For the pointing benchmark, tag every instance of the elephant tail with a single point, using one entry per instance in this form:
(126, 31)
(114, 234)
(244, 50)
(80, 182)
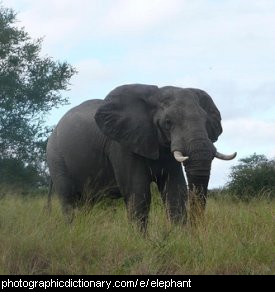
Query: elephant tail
(49, 202)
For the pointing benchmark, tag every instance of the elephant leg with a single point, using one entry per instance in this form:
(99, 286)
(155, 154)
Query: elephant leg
(61, 180)
(64, 187)
(133, 179)
(138, 206)
(67, 194)
(172, 187)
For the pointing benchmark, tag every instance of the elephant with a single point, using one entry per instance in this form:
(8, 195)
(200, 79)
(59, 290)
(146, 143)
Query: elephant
(137, 135)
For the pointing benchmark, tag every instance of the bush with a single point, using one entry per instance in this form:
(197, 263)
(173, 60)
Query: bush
(254, 176)
(14, 172)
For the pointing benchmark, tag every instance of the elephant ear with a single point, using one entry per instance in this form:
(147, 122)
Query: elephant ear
(213, 124)
(126, 118)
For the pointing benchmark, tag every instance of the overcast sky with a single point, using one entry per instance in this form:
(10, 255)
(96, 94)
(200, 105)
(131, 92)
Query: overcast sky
(225, 47)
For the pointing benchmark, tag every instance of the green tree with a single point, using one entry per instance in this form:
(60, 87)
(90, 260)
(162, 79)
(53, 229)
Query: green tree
(15, 172)
(30, 86)
(253, 176)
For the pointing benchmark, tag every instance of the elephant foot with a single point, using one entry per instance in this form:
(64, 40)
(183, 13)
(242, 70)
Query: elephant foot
(138, 210)
(179, 219)
(197, 205)
(69, 213)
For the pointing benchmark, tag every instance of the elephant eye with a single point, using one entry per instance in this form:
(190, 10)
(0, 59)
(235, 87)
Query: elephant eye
(167, 124)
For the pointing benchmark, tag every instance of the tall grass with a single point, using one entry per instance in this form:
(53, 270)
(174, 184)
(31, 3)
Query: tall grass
(234, 238)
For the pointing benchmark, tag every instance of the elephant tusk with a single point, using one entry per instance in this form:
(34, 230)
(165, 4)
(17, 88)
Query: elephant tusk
(179, 157)
(225, 157)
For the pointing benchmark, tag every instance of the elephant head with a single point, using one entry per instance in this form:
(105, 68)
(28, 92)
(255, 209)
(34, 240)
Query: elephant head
(145, 118)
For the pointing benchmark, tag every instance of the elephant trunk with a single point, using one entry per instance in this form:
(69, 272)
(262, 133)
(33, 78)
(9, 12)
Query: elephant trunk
(198, 185)
(197, 163)
(198, 174)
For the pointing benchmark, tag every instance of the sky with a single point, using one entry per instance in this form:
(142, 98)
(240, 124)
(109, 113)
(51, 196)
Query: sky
(225, 47)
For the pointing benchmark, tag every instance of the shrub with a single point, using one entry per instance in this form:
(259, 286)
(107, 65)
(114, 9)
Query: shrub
(253, 176)
(14, 172)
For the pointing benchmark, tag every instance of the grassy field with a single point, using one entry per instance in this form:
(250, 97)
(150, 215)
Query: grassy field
(234, 238)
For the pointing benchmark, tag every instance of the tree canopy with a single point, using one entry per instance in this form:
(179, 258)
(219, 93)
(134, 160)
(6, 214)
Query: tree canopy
(253, 176)
(30, 86)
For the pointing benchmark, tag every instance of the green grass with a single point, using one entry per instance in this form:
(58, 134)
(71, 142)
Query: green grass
(234, 238)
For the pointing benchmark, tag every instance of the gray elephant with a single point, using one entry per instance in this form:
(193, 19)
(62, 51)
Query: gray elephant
(137, 135)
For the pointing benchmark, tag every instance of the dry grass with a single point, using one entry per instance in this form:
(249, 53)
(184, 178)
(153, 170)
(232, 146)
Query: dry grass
(233, 238)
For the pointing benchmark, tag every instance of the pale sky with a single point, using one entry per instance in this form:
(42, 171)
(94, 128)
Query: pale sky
(225, 47)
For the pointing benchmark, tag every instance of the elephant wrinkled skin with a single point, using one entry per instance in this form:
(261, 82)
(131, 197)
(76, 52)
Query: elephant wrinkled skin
(137, 135)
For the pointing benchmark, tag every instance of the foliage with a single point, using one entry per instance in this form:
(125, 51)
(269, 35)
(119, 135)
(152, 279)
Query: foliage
(30, 87)
(254, 175)
(234, 238)
(14, 172)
